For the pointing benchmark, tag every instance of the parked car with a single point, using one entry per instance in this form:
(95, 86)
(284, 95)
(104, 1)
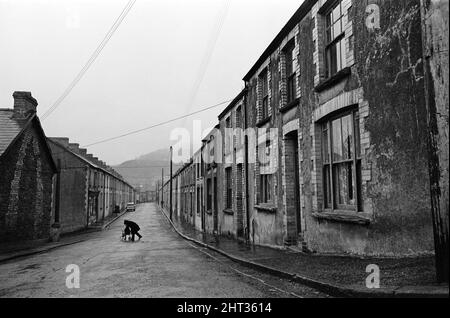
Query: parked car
(131, 207)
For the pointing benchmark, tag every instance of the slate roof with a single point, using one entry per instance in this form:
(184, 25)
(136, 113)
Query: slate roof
(305, 7)
(10, 127)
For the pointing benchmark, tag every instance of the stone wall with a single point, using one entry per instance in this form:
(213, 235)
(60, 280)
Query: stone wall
(26, 182)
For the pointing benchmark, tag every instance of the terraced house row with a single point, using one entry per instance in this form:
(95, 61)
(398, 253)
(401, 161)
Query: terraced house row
(325, 149)
(49, 186)
(88, 190)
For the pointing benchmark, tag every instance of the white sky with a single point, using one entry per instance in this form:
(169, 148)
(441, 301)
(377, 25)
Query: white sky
(147, 72)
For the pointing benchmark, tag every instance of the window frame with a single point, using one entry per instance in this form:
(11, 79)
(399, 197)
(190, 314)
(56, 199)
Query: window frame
(229, 188)
(333, 41)
(228, 135)
(239, 127)
(238, 116)
(266, 181)
(329, 178)
(209, 194)
(264, 82)
(291, 92)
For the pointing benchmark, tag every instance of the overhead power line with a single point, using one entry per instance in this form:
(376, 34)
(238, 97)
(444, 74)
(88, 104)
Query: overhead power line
(157, 125)
(211, 45)
(91, 60)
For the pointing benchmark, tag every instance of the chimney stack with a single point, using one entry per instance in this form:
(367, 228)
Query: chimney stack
(83, 151)
(102, 164)
(24, 103)
(61, 140)
(74, 147)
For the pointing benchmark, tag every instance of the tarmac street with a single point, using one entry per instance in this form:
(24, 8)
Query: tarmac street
(162, 264)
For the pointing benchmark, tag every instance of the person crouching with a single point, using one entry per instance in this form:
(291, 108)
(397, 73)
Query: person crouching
(133, 228)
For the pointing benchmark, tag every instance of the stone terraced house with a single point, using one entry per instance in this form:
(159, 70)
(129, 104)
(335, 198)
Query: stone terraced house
(334, 156)
(27, 172)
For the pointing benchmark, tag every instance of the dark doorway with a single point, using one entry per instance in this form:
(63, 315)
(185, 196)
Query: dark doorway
(292, 190)
(239, 202)
(202, 208)
(215, 212)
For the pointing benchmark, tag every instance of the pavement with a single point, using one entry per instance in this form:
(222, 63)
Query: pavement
(341, 276)
(13, 250)
(160, 265)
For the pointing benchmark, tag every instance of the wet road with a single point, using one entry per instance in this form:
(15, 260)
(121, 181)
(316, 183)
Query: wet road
(160, 265)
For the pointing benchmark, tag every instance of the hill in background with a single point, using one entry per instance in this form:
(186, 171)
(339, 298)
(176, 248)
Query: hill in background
(145, 170)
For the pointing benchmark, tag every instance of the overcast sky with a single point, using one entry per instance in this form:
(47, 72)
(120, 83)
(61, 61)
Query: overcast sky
(167, 58)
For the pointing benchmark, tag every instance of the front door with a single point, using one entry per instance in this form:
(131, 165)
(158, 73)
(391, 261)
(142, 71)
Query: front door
(292, 192)
(239, 202)
(215, 209)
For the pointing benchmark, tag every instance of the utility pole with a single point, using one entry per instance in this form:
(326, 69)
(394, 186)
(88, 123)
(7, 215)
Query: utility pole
(439, 209)
(170, 194)
(246, 167)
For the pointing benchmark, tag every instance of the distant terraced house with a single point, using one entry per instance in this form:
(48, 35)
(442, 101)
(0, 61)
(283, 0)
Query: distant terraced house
(87, 189)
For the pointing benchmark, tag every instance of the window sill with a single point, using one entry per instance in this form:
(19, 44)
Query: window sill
(266, 207)
(291, 105)
(344, 217)
(228, 211)
(263, 122)
(345, 72)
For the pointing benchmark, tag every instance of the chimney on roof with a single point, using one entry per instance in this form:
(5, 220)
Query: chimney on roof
(83, 151)
(74, 147)
(91, 158)
(61, 140)
(24, 103)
